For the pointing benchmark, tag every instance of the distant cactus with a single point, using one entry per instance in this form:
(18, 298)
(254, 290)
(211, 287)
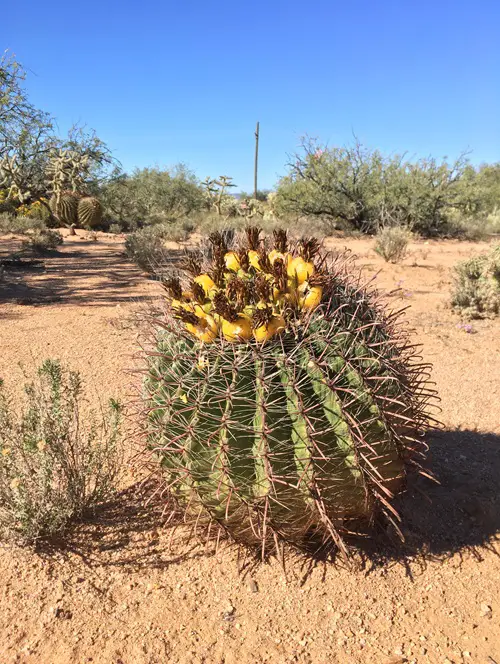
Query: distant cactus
(67, 170)
(89, 212)
(65, 207)
(476, 286)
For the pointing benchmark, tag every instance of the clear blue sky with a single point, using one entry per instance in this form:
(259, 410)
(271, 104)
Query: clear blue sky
(164, 81)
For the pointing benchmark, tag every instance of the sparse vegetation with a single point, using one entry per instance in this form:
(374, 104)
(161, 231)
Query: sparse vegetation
(146, 247)
(43, 240)
(55, 466)
(476, 287)
(392, 243)
(11, 223)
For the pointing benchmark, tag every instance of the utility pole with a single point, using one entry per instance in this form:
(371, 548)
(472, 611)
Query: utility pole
(256, 161)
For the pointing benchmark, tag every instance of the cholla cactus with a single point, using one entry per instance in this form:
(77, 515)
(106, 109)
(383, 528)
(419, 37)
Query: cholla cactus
(283, 400)
(217, 196)
(10, 177)
(251, 207)
(476, 288)
(67, 170)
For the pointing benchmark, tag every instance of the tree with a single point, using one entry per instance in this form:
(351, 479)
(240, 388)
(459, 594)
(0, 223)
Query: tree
(153, 194)
(355, 187)
(29, 144)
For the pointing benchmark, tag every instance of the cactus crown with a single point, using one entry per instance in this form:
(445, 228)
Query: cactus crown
(282, 398)
(263, 291)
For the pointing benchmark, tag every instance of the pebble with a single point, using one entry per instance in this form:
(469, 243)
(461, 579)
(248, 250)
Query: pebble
(486, 611)
(252, 586)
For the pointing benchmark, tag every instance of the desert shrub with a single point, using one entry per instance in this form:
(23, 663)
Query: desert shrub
(476, 286)
(352, 186)
(146, 247)
(43, 241)
(210, 222)
(133, 199)
(10, 223)
(116, 229)
(392, 242)
(34, 210)
(474, 227)
(53, 466)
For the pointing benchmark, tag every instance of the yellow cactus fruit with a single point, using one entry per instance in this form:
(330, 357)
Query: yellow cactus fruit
(300, 270)
(312, 298)
(274, 255)
(178, 304)
(205, 330)
(266, 331)
(253, 258)
(205, 282)
(232, 261)
(237, 330)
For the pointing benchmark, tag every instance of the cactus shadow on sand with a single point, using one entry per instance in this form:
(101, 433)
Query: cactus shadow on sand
(458, 516)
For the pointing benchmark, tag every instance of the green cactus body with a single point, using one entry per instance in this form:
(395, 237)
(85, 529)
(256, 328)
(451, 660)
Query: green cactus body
(65, 207)
(89, 212)
(312, 430)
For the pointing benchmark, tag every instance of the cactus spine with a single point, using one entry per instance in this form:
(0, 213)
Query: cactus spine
(282, 398)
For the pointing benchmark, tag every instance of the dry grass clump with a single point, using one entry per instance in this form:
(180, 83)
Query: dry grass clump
(392, 243)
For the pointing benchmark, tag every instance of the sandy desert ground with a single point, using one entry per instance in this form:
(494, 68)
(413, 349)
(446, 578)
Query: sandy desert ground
(115, 592)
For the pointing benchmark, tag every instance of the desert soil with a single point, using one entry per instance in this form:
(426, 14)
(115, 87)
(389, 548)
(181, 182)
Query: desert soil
(122, 590)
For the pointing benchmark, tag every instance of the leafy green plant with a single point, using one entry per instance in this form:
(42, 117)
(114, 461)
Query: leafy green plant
(134, 200)
(282, 400)
(352, 186)
(53, 466)
(392, 243)
(476, 286)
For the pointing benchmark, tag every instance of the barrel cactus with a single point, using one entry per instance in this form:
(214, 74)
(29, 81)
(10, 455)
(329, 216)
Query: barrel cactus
(282, 399)
(89, 212)
(64, 207)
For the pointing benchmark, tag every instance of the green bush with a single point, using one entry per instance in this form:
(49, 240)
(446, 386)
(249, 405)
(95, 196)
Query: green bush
(53, 466)
(476, 286)
(116, 229)
(146, 248)
(474, 227)
(354, 187)
(392, 242)
(43, 241)
(134, 199)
